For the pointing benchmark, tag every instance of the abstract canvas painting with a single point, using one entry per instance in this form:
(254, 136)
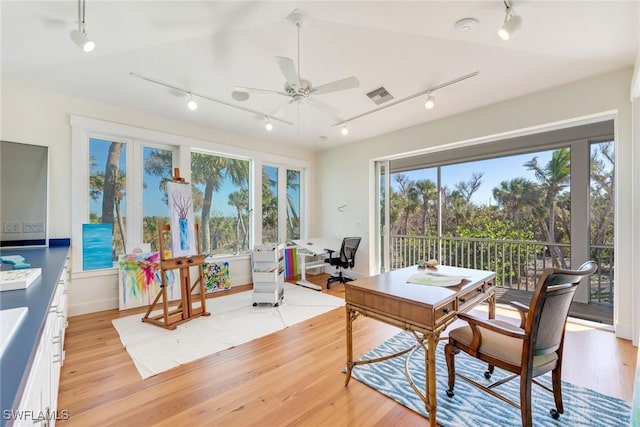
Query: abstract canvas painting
(139, 280)
(181, 219)
(216, 276)
(97, 246)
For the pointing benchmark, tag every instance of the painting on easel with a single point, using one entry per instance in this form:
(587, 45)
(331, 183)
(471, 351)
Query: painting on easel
(139, 279)
(181, 219)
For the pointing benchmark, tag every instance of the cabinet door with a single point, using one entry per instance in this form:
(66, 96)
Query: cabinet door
(36, 400)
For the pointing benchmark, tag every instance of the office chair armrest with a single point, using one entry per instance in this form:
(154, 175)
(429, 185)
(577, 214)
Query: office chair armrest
(476, 323)
(522, 309)
(330, 251)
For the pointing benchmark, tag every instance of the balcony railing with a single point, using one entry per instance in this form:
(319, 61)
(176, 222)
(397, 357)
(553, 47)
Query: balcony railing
(517, 264)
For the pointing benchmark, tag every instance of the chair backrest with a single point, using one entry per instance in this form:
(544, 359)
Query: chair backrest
(348, 250)
(550, 304)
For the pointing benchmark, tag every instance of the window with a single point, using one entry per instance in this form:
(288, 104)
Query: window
(281, 215)
(221, 202)
(157, 166)
(269, 204)
(119, 178)
(293, 204)
(107, 189)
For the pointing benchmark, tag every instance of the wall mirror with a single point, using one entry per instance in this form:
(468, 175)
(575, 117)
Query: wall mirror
(23, 194)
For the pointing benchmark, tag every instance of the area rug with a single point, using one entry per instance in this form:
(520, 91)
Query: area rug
(473, 407)
(233, 321)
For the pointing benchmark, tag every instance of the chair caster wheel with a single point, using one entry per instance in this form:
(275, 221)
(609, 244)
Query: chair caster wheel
(487, 375)
(450, 393)
(275, 305)
(255, 304)
(554, 414)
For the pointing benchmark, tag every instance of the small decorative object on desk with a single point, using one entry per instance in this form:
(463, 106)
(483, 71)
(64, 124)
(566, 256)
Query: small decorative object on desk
(432, 263)
(435, 279)
(18, 279)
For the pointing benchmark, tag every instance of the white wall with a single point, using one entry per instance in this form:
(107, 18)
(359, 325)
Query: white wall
(34, 116)
(603, 95)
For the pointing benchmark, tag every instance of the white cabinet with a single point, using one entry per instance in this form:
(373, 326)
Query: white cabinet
(39, 401)
(268, 273)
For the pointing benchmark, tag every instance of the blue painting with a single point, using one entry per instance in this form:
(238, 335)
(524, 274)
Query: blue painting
(97, 246)
(181, 219)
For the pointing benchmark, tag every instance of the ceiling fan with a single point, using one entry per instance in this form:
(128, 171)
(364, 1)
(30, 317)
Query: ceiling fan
(296, 88)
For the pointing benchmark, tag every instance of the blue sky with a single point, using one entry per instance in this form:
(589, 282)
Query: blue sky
(494, 171)
(153, 197)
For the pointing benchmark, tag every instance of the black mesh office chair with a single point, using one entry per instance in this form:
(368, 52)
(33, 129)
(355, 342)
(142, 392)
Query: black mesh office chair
(346, 259)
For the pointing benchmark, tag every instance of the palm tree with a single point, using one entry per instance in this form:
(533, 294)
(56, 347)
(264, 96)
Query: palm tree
(553, 178)
(293, 217)
(427, 194)
(209, 171)
(515, 196)
(240, 200)
(111, 184)
(269, 209)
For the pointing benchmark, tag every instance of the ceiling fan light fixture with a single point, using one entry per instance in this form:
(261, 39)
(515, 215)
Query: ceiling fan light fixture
(512, 22)
(192, 105)
(345, 130)
(430, 102)
(80, 36)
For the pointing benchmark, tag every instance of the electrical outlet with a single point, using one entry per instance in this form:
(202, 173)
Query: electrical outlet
(12, 227)
(33, 227)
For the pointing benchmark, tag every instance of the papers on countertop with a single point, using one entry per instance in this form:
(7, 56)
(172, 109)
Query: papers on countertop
(435, 279)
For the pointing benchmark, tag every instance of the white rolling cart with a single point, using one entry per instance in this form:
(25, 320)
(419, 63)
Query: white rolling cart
(268, 273)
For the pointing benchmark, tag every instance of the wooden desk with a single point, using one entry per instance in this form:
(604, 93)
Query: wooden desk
(425, 311)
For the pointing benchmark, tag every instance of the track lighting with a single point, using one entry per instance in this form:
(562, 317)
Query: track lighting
(511, 22)
(430, 103)
(192, 105)
(79, 36)
(268, 126)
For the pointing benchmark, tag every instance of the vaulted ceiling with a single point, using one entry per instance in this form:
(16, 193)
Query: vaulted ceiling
(210, 47)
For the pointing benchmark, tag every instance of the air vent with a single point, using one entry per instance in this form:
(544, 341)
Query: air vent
(380, 95)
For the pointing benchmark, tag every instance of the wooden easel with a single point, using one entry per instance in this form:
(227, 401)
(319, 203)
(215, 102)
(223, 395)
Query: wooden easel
(171, 317)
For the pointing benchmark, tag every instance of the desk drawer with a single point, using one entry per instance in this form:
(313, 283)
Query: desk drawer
(470, 298)
(444, 311)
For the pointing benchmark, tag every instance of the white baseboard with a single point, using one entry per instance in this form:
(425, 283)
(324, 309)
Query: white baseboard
(92, 306)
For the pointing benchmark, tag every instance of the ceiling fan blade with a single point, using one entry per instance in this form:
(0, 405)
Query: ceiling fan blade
(257, 90)
(288, 68)
(324, 107)
(346, 83)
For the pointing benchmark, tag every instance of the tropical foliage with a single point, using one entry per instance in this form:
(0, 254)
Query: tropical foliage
(524, 209)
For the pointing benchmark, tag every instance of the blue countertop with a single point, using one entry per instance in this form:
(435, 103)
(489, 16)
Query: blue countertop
(17, 358)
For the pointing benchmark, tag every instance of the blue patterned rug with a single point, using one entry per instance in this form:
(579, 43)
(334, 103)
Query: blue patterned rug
(473, 407)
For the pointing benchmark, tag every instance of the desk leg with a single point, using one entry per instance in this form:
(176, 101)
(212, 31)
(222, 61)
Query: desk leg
(430, 356)
(303, 275)
(350, 317)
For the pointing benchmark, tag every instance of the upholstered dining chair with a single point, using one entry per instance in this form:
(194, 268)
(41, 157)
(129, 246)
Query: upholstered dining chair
(527, 350)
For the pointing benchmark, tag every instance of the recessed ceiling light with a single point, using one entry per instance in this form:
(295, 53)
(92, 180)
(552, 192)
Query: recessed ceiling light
(466, 24)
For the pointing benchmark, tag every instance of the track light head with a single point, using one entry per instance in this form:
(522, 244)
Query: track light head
(191, 104)
(430, 103)
(512, 23)
(345, 130)
(81, 39)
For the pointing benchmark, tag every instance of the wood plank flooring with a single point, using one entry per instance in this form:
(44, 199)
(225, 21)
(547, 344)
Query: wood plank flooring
(290, 378)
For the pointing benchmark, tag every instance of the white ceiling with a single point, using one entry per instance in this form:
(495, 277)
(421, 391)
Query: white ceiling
(211, 46)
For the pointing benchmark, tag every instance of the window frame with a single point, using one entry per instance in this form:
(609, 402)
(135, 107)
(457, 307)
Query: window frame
(83, 128)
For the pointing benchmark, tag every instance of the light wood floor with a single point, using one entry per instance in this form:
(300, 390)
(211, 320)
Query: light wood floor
(290, 378)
